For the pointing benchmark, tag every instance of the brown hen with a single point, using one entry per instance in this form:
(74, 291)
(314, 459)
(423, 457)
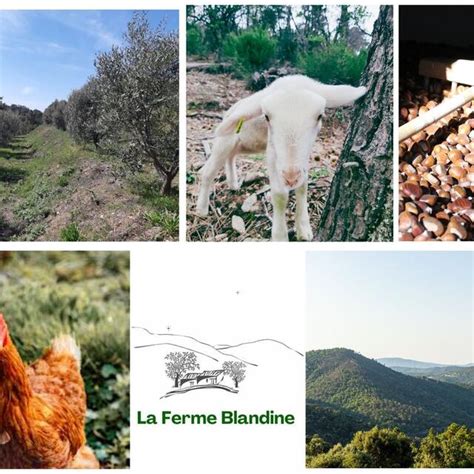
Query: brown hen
(42, 408)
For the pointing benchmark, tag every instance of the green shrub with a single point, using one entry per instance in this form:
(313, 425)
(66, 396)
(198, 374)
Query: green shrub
(70, 233)
(194, 41)
(251, 50)
(335, 64)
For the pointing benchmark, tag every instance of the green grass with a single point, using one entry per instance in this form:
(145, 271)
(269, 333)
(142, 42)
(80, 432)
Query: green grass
(163, 211)
(168, 221)
(39, 169)
(319, 173)
(85, 294)
(28, 166)
(70, 233)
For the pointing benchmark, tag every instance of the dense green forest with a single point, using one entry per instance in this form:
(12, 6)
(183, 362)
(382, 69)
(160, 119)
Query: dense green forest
(328, 43)
(348, 393)
(391, 448)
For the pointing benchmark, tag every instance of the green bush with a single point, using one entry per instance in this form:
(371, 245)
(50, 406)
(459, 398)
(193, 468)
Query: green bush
(194, 41)
(85, 294)
(250, 51)
(335, 64)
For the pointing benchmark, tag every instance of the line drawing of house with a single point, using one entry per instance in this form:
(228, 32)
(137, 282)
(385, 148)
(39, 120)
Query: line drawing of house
(208, 377)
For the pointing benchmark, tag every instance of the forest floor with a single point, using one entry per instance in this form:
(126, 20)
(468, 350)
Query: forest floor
(52, 189)
(208, 97)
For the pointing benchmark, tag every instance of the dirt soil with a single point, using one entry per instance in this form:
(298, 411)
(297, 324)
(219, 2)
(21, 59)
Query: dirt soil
(100, 202)
(208, 97)
(57, 184)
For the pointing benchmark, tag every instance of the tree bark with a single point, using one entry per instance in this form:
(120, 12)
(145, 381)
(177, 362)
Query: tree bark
(166, 188)
(359, 205)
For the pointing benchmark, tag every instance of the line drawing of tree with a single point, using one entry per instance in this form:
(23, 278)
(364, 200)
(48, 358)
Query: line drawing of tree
(235, 370)
(179, 363)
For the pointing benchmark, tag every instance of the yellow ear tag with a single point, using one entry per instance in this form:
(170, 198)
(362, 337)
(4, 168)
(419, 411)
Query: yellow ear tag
(239, 126)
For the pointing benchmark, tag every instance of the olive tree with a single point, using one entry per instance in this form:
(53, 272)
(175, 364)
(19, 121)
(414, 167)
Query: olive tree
(138, 87)
(9, 126)
(82, 113)
(55, 114)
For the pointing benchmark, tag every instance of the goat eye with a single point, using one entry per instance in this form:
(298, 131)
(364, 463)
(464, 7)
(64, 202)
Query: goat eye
(267, 118)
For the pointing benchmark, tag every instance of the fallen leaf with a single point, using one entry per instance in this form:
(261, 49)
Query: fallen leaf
(238, 224)
(249, 202)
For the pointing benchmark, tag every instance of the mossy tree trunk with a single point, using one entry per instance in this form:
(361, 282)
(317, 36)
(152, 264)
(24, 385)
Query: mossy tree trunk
(359, 205)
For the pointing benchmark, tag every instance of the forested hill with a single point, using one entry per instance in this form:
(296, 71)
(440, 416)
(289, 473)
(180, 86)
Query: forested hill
(347, 392)
(452, 374)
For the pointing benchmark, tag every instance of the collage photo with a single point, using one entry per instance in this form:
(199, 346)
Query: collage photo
(236, 237)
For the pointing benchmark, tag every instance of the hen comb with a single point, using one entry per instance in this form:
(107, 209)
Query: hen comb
(3, 331)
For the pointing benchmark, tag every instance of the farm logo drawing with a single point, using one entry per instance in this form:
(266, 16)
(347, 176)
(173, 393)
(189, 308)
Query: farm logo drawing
(198, 365)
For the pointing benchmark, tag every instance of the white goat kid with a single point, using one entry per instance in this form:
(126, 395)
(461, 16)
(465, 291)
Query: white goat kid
(284, 119)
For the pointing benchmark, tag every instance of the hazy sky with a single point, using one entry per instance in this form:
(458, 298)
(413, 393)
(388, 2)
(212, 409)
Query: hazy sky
(45, 54)
(416, 305)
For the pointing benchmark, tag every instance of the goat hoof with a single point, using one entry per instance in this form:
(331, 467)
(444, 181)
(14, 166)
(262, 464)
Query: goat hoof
(304, 233)
(234, 185)
(280, 237)
(202, 211)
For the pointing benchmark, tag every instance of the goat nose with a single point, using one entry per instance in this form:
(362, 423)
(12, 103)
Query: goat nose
(291, 176)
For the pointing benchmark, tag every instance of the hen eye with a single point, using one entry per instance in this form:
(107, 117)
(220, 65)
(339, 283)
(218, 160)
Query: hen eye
(267, 118)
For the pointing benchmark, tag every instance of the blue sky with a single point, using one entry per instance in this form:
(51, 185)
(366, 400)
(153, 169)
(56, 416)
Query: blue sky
(416, 305)
(45, 54)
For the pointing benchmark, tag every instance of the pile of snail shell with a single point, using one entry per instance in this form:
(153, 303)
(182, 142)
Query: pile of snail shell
(436, 171)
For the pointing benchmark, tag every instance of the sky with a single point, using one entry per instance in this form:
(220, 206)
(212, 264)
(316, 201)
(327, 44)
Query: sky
(45, 54)
(415, 305)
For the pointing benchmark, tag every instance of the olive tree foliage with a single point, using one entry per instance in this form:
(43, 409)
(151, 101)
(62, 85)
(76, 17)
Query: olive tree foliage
(9, 124)
(82, 114)
(16, 120)
(55, 114)
(138, 87)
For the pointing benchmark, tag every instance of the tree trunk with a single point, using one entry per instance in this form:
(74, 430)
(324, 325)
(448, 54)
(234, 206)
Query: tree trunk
(236, 383)
(166, 187)
(359, 205)
(167, 174)
(176, 380)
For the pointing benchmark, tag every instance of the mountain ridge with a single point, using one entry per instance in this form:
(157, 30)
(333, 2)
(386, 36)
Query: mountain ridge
(414, 364)
(340, 381)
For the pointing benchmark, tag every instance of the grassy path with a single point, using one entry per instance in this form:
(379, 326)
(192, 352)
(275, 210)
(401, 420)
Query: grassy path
(54, 189)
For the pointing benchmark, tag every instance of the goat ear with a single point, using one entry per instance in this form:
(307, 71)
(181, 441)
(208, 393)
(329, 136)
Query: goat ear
(338, 96)
(246, 109)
